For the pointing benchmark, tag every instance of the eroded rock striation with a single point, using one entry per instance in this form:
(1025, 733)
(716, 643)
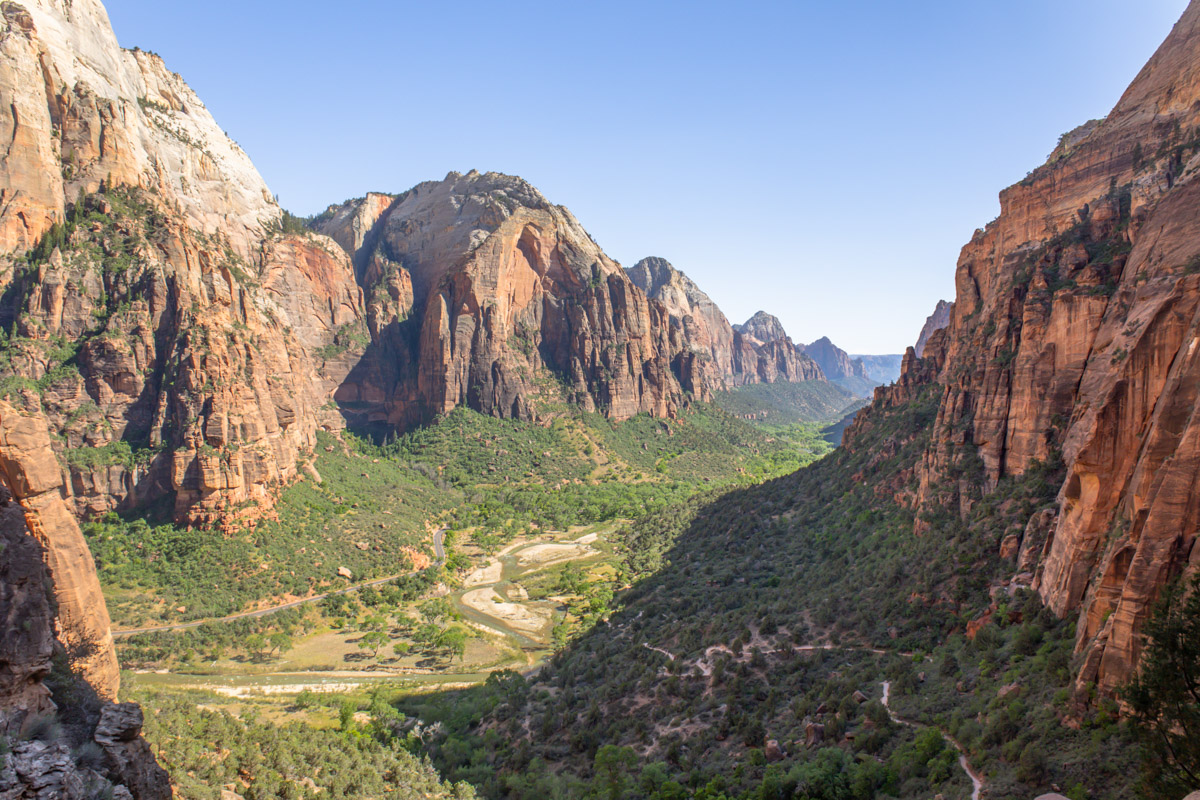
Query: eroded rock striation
(167, 366)
(176, 341)
(82, 111)
(1075, 335)
(736, 355)
(44, 752)
(31, 474)
(482, 293)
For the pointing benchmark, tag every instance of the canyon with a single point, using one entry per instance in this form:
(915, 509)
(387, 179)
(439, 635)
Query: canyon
(175, 340)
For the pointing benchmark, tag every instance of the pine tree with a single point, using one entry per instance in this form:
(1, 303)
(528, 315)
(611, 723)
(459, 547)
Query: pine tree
(1165, 696)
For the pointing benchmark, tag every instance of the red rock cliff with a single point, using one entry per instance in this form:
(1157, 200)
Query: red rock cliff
(175, 342)
(730, 356)
(1076, 330)
(31, 473)
(482, 293)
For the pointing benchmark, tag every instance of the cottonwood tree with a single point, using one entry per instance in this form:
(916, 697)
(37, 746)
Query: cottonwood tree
(373, 641)
(280, 642)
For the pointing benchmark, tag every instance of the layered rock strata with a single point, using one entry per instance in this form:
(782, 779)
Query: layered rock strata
(757, 352)
(1075, 334)
(482, 293)
(177, 343)
(168, 366)
(82, 111)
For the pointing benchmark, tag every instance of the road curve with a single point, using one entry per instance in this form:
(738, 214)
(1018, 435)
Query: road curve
(439, 551)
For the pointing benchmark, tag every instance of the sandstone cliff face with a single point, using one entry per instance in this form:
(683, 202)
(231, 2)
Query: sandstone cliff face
(33, 764)
(939, 319)
(174, 342)
(1076, 331)
(737, 357)
(31, 473)
(481, 292)
(167, 365)
(82, 111)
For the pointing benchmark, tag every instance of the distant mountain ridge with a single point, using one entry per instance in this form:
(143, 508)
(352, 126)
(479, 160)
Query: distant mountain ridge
(838, 366)
(939, 319)
(883, 369)
(763, 326)
(738, 357)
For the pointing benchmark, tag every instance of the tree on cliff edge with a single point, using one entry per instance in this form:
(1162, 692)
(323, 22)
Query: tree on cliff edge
(1165, 696)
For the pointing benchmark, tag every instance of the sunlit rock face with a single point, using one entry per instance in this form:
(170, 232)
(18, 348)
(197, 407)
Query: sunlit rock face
(83, 111)
(1076, 332)
(483, 293)
(736, 355)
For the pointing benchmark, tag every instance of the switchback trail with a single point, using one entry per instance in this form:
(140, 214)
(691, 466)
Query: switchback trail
(439, 552)
(976, 778)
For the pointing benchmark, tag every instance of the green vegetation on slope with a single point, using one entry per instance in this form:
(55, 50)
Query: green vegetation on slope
(1165, 695)
(495, 478)
(761, 612)
(205, 750)
(358, 517)
(782, 403)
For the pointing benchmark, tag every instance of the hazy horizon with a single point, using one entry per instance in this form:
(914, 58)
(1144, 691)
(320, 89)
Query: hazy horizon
(822, 164)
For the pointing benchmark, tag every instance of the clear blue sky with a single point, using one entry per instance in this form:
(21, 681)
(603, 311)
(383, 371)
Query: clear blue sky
(824, 161)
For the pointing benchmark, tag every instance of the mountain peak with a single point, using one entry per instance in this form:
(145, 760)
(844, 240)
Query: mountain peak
(87, 113)
(764, 327)
(661, 281)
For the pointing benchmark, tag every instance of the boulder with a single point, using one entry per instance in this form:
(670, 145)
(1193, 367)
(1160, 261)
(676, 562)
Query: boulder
(1010, 546)
(129, 756)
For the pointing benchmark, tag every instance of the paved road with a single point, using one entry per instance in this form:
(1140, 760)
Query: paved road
(439, 551)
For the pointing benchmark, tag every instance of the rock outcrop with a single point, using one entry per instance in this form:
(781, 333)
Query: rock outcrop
(483, 293)
(177, 343)
(30, 471)
(762, 327)
(42, 742)
(166, 365)
(939, 319)
(737, 356)
(81, 111)
(1075, 334)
